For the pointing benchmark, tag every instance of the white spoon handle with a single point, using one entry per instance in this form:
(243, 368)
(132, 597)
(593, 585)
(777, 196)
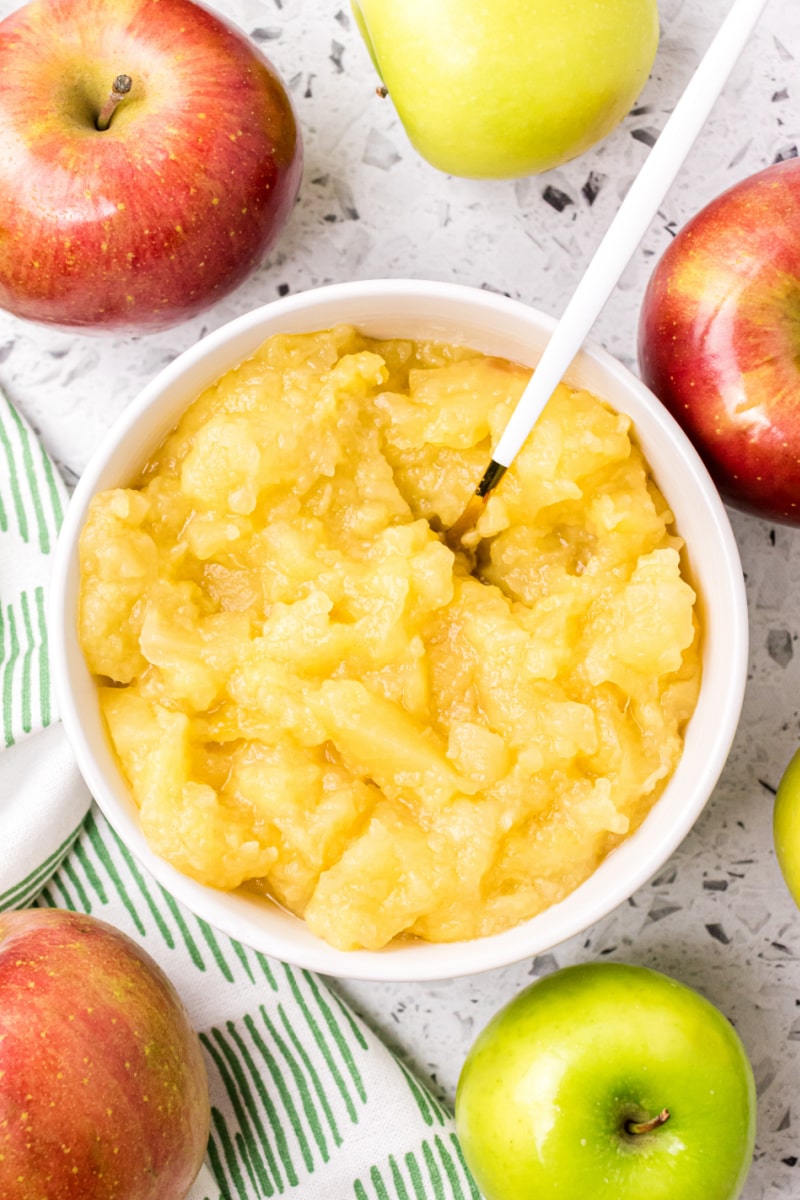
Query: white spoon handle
(631, 222)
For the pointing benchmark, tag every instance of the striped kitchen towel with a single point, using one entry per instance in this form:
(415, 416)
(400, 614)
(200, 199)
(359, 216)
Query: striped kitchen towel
(306, 1101)
(42, 797)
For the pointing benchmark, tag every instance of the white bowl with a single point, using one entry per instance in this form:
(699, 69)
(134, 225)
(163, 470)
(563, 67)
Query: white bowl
(495, 325)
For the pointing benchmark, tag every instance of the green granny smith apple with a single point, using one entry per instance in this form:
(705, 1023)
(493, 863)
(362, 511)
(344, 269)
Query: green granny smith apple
(786, 826)
(503, 88)
(608, 1082)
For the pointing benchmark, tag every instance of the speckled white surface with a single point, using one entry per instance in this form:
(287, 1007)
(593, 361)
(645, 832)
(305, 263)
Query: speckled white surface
(717, 916)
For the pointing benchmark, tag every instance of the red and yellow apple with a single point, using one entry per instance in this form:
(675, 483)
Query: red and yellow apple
(719, 339)
(148, 221)
(103, 1089)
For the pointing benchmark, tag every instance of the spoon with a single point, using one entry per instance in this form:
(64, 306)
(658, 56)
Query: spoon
(616, 249)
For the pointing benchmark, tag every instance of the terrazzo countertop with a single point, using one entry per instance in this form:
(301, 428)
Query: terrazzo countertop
(717, 916)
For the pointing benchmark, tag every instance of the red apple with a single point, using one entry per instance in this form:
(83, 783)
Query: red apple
(148, 221)
(103, 1090)
(719, 339)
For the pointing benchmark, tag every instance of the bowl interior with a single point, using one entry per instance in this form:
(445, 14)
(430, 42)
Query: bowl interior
(496, 325)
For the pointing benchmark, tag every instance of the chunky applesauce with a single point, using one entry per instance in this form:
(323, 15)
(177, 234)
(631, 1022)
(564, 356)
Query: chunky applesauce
(311, 696)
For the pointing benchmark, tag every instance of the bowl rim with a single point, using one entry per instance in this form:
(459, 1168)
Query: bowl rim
(411, 961)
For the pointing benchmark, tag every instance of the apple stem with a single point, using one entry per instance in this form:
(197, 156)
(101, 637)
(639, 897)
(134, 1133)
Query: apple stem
(119, 90)
(648, 1126)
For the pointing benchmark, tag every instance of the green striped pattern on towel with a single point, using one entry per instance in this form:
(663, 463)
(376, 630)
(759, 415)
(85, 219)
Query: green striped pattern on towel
(22, 893)
(32, 503)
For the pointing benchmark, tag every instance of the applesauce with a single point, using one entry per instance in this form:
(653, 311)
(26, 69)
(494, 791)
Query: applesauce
(311, 696)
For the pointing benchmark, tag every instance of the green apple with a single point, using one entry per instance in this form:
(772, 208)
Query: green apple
(512, 87)
(612, 1082)
(786, 826)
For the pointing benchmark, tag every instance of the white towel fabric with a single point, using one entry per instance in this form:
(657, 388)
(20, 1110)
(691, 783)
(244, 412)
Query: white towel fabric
(306, 1101)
